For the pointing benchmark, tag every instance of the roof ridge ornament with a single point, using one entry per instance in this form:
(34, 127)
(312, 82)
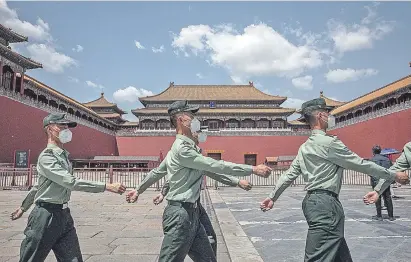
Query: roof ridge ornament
(321, 93)
(251, 83)
(171, 84)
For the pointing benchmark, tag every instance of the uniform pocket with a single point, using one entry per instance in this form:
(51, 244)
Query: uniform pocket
(319, 211)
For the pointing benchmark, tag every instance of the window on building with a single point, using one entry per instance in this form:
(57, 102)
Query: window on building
(248, 123)
(233, 124)
(163, 124)
(213, 125)
(263, 123)
(148, 125)
(250, 159)
(278, 124)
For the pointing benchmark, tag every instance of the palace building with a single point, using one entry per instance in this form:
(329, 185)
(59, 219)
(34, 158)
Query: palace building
(221, 107)
(245, 125)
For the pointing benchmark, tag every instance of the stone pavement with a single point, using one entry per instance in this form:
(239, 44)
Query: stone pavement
(279, 235)
(109, 229)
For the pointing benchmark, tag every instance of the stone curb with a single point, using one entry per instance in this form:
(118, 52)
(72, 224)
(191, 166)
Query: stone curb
(238, 244)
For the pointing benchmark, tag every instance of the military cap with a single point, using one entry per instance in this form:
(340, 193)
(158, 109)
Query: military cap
(58, 118)
(309, 106)
(182, 106)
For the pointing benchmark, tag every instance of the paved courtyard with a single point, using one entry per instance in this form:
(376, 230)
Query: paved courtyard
(109, 229)
(279, 235)
(112, 230)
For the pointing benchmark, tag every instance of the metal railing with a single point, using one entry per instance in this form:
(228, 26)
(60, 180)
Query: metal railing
(24, 178)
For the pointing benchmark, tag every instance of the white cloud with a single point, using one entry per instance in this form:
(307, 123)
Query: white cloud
(78, 49)
(258, 50)
(130, 94)
(73, 79)
(42, 47)
(139, 45)
(349, 74)
(199, 75)
(9, 18)
(92, 84)
(304, 82)
(361, 35)
(158, 50)
(52, 60)
(293, 103)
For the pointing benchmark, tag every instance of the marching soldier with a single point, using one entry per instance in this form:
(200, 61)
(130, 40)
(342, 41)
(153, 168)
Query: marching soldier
(50, 225)
(203, 217)
(322, 160)
(183, 232)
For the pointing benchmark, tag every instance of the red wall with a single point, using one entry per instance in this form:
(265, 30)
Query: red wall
(234, 147)
(391, 131)
(21, 128)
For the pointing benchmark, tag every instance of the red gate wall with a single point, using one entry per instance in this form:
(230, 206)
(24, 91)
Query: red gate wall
(22, 128)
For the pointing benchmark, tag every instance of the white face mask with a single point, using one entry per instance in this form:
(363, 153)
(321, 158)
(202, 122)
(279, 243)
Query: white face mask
(202, 137)
(331, 121)
(65, 136)
(195, 125)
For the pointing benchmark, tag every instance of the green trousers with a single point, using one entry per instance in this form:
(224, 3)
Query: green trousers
(184, 235)
(325, 238)
(50, 229)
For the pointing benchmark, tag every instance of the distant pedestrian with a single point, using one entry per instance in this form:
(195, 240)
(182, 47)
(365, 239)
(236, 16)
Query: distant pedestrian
(383, 161)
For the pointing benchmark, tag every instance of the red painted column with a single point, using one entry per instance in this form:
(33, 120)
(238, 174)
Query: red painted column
(1, 73)
(22, 84)
(14, 81)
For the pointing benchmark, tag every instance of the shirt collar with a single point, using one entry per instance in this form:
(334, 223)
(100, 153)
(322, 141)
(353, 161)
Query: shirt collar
(57, 149)
(318, 131)
(186, 139)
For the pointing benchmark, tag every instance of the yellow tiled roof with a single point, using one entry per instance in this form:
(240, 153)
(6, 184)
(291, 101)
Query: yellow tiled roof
(145, 111)
(130, 123)
(390, 88)
(110, 115)
(271, 158)
(212, 93)
(58, 94)
(297, 122)
(103, 102)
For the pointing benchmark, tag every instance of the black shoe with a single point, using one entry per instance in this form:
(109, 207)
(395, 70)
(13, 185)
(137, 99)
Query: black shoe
(391, 218)
(379, 218)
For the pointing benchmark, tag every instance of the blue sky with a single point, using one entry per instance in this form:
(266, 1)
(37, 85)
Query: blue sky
(293, 49)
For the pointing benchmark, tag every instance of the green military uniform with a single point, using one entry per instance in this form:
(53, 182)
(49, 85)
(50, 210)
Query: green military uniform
(184, 166)
(322, 160)
(203, 217)
(403, 163)
(50, 225)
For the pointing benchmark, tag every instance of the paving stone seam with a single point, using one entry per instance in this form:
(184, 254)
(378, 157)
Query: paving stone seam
(228, 224)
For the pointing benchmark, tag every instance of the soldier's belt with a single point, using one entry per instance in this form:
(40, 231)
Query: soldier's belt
(323, 191)
(183, 204)
(51, 205)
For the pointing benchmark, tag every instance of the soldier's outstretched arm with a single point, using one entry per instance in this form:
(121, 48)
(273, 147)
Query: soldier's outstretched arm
(50, 167)
(230, 180)
(152, 177)
(401, 164)
(190, 158)
(26, 204)
(340, 155)
(284, 181)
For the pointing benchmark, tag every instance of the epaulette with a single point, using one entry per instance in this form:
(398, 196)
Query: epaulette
(48, 150)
